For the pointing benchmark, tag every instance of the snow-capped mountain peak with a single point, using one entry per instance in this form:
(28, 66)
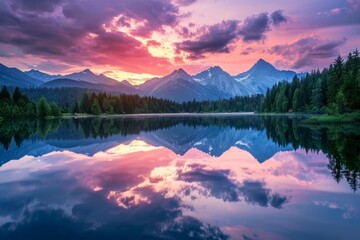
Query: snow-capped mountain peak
(262, 75)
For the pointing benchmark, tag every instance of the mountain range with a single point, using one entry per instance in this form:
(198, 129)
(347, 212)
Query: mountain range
(211, 84)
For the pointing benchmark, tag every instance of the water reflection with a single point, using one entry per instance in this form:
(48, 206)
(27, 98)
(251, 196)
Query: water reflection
(202, 178)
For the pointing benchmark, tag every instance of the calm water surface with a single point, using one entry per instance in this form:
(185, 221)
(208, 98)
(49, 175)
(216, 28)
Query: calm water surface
(246, 177)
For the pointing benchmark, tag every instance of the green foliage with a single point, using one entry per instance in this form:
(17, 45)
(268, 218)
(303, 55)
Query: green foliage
(95, 107)
(335, 90)
(55, 110)
(343, 118)
(19, 106)
(130, 104)
(44, 109)
(76, 108)
(5, 95)
(85, 104)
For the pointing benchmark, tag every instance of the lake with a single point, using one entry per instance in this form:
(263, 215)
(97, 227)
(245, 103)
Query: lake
(179, 177)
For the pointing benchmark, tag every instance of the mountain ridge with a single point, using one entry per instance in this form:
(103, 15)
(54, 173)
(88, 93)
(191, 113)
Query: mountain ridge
(211, 84)
(44, 77)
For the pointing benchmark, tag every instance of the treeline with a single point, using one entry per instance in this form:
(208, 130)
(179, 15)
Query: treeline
(19, 105)
(63, 97)
(129, 104)
(335, 90)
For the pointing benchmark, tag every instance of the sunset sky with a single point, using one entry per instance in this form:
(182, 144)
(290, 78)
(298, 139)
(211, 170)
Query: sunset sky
(140, 39)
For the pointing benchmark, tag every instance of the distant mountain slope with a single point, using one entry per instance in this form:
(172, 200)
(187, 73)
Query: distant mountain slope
(178, 86)
(152, 85)
(15, 77)
(71, 83)
(223, 82)
(182, 90)
(262, 76)
(64, 83)
(127, 83)
(88, 76)
(44, 77)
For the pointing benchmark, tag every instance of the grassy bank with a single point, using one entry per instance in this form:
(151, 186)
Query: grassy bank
(342, 118)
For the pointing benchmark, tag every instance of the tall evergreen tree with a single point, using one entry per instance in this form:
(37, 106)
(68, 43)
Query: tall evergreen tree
(44, 109)
(5, 95)
(95, 107)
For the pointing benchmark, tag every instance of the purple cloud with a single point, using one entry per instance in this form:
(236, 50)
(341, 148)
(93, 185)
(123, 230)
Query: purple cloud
(247, 51)
(37, 6)
(75, 32)
(278, 17)
(184, 2)
(49, 66)
(307, 51)
(218, 38)
(255, 27)
(215, 39)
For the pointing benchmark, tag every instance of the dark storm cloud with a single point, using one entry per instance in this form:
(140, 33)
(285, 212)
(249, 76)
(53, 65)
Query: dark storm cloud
(255, 27)
(35, 5)
(214, 39)
(277, 201)
(306, 51)
(157, 14)
(278, 17)
(76, 29)
(153, 13)
(218, 38)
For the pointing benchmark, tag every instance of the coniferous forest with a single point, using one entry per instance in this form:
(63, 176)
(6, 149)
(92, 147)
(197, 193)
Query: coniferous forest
(129, 104)
(335, 90)
(19, 105)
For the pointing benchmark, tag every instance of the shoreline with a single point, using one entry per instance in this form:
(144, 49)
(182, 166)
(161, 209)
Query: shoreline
(308, 115)
(158, 115)
(334, 119)
(308, 118)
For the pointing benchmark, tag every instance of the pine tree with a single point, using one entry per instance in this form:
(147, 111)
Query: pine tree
(5, 95)
(85, 104)
(44, 109)
(317, 96)
(340, 102)
(95, 108)
(335, 79)
(296, 100)
(55, 110)
(76, 108)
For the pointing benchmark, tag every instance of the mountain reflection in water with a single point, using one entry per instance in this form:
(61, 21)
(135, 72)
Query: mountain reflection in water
(224, 177)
